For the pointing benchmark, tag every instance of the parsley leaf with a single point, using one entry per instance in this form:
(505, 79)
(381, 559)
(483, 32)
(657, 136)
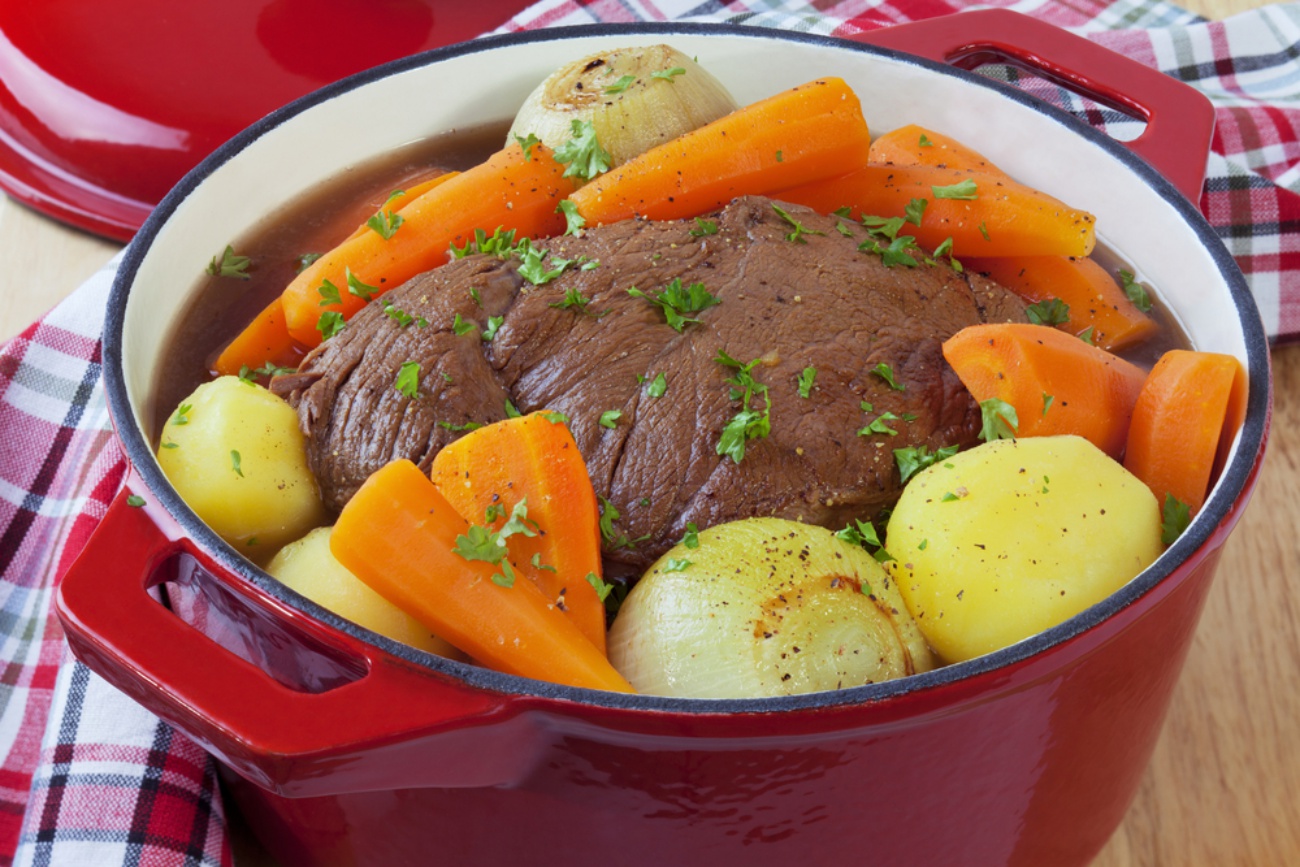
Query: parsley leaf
(966, 191)
(384, 222)
(899, 249)
(500, 244)
(748, 423)
(493, 326)
(1000, 420)
(609, 418)
(527, 144)
(885, 372)
(1049, 311)
(1175, 515)
(623, 83)
(915, 210)
(611, 534)
(669, 74)
(573, 300)
(235, 462)
(329, 293)
(704, 227)
(573, 221)
(658, 386)
(913, 459)
(879, 425)
(363, 291)
(182, 414)
(135, 500)
(1086, 335)
(676, 564)
(692, 538)
(860, 533)
(806, 381)
(331, 322)
(675, 301)
(305, 260)
(532, 269)
(408, 378)
(1135, 291)
(230, 265)
(582, 154)
(799, 229)
(925, 141)
(461, 327)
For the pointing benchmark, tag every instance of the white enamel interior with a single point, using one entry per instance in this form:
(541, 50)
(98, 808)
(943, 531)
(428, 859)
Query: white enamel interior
(488, 85)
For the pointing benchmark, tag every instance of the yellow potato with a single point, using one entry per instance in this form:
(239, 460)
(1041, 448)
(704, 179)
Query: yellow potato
(309, 567)
(1010, 538)
(234, 453)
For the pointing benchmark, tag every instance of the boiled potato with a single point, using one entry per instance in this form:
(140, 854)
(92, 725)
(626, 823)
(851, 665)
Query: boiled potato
(308, 567)
(234, 453)
(764, 607)
(1012, 537)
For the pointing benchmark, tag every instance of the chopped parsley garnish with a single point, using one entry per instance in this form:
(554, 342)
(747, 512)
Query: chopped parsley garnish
(623, 83)
(527, 143)
(385, 222)
(675, 301)
(135, 500)
(1175, 515)
(500, 244)
(266, 371)
(611, 534)
(1086, 335)
(235, 462)
(913, 459)
(658, 386)
(331, 322)
(573, 221)
(1048, 400)
(408, 378)
(669, 74)
(878, 425)
(860, 533)
(799, 229)
(676, 564)
(532, 269)
(401, 317)
(748, 423)
(925, 141)
(480, 543)
(1000, 421)
(984, 230)
(1135, 291)
(329, 294)
(965, 191)
(582, 154)
(493, 326)
(885, 372)
(306, 259)
(230, 265)
(806, 381)
(609, 418)
(1049, 311)
(692, 538)
(457, 428)
(780, 157)
(945, 249)
(461, 327)
(915, 210)
(554, 416)
(573, 300)
(363, 291)
(601, 587)
(511, 410)
(898, 250)
(704, 227)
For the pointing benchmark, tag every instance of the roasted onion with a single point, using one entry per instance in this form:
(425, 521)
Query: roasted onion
(635, 98)
(764, 607)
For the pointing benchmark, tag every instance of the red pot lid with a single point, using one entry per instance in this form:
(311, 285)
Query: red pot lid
(105, 105)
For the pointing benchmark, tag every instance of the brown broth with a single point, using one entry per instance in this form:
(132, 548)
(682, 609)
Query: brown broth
(222, 306)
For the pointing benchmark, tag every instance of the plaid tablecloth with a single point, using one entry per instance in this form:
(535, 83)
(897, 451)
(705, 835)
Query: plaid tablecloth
(87, 777)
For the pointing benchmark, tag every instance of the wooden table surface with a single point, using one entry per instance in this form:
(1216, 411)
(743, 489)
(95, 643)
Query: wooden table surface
(1224, 786)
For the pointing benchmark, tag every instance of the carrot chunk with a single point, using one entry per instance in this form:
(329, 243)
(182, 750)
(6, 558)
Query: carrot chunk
(1181, 418)
(1095, 300)
(914, 145)
(512, 190)
(1057, 383)
(534, 459)
(265, 340)
(812, 131)
(401, 537)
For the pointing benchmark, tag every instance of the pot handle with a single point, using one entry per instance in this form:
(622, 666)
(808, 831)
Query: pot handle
(1180, 119)
(297, 741)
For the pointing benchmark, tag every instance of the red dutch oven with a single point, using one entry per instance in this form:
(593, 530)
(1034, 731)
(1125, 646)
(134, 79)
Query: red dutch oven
(343, 747)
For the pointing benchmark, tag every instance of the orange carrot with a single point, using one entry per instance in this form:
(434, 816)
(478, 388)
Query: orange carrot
(807, 133)
(1179, 421)
(1004, 218)
(402, 198)
(1095, 300)
(533, 458)
(914, 145)
(400, 536)
(265, 340)
(511, 190)
(1057, 383)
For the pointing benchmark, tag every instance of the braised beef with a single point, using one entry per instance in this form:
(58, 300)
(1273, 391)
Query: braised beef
(793, 297)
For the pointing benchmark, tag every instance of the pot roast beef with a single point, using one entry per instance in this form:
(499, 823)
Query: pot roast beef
(579, 343)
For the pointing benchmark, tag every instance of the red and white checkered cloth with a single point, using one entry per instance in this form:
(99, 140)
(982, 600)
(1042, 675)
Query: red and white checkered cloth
(87, 777)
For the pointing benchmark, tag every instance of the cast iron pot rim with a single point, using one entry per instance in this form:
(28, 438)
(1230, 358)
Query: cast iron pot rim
(1232, 484)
